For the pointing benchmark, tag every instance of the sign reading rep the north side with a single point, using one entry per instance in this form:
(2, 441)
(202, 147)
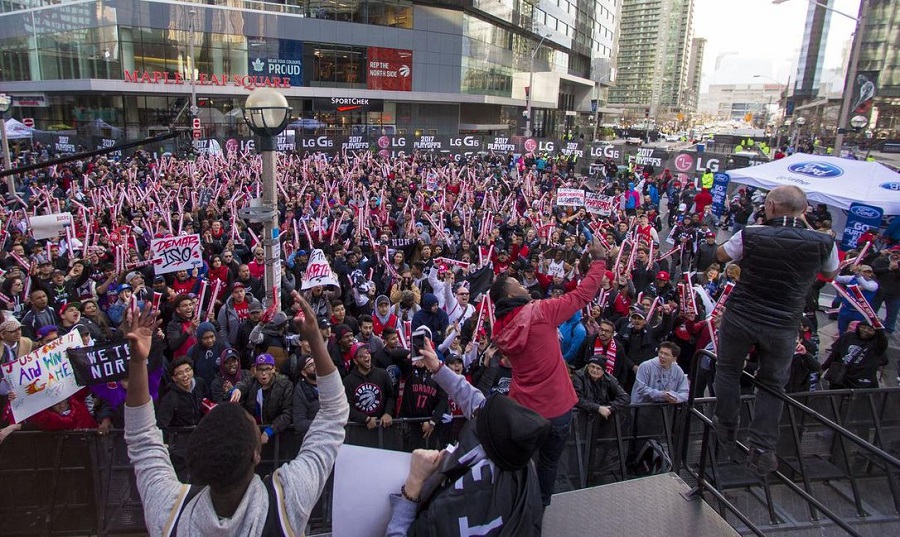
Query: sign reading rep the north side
(171, 254)
(389, 69)
(100, 364)
(43, 377)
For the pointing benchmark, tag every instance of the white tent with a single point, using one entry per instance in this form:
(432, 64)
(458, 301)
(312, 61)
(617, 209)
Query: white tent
(16, 130)
(837, 182)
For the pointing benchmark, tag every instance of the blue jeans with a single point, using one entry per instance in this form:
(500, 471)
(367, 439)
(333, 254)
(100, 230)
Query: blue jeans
(775, 349)
(892, 305)
(846, 316)
(550, 452)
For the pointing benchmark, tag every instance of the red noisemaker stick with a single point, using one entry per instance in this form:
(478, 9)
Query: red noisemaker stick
(199, 307)
(212, 299)
(854, 296)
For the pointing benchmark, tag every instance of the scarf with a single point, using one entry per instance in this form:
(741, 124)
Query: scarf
(506, 305)
(610, 353)
(383, 319)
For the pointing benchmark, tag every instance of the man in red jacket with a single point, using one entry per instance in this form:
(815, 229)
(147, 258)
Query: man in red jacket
(526, 333)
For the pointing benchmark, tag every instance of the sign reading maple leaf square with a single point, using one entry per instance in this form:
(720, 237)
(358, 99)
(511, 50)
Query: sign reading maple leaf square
(389, 69)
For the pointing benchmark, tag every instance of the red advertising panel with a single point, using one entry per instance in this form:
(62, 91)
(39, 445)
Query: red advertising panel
(389, 69)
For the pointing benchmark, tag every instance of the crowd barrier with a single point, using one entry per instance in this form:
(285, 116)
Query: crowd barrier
(78, 483)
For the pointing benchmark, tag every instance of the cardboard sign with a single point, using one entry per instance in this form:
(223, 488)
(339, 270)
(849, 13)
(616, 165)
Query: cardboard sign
(49, 226)
(595, 203)
(100, 364)
(570, 196)
(176, 253)
(367, 476)
(318, 271)
(42, 378)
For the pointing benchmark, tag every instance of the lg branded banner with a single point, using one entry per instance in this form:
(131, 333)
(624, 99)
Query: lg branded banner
(389, 69)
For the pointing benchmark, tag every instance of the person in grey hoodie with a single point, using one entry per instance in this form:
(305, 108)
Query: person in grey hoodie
(235, 310)
(224, 451)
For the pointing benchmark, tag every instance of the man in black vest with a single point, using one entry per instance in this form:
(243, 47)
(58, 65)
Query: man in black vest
(779, 263)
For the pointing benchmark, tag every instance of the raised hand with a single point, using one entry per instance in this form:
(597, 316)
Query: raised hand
(138, 327)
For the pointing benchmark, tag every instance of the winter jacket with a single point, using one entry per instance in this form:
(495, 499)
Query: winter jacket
(436, 321)
(306, 405)
(206, 361)
(572, 334)
(178, 408)
(229, 322)
(604, 392)
(277, 401)
(528, 337)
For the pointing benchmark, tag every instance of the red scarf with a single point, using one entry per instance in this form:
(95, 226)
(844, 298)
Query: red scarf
(609, 351)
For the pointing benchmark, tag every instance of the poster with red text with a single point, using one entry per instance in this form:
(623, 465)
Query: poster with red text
(389, 69)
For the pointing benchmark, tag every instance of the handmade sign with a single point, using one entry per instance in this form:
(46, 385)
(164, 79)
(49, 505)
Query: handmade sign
(49, 226)
(570, 196)
(595, 203)
(100, 364)
(43, 377)
(172, 254)
(318, 271)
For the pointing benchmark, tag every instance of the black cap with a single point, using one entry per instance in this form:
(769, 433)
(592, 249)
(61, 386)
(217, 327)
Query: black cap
(509, 432)
(324, 323)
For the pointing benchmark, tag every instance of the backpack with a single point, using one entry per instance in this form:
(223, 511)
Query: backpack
(652, 459)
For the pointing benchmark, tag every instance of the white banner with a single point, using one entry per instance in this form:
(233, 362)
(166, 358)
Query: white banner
(318, 271)
(364, 479)
(42, 378)
(598, 203)
(176, 253)
(570, 196)
(49, 226)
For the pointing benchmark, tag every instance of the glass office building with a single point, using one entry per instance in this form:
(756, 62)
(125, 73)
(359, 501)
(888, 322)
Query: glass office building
(346, 66)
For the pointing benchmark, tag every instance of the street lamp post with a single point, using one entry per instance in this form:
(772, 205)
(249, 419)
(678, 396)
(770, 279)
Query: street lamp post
(799, 122)
(5, 104)
(529, 96)
(787, 89)
(267, 113)
(194, 109)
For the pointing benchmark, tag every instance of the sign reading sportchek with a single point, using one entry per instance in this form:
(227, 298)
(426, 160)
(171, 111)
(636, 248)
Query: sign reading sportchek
(389, 69)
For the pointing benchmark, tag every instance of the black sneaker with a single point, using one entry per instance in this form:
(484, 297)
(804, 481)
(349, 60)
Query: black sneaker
(762, 462)
(727, 439)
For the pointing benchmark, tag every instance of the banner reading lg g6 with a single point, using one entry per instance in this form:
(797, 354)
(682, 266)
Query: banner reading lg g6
(389, 69)
(100, 364)
(860, 218)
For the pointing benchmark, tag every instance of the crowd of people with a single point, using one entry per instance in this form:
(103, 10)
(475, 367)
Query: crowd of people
(469, 248)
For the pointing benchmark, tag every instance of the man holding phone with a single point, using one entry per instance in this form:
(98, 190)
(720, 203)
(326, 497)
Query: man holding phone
(526, 333)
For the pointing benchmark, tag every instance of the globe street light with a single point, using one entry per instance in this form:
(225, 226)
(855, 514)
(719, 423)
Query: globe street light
(858, 122)
(266, 111)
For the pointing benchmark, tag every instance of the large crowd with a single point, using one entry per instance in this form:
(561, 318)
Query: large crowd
(414, 242)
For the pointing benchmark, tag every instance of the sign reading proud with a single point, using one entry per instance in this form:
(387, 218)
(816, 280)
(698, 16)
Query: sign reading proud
(318, 271)
(100, 364)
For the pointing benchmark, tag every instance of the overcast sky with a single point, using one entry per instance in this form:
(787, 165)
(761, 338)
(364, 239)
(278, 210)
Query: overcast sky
(762, 35)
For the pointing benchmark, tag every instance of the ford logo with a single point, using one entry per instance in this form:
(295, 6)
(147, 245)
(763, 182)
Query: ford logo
(821, 170)
(869, 213)
(890, 186)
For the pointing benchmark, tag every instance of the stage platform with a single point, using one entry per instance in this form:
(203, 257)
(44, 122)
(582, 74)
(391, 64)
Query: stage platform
(648, 506)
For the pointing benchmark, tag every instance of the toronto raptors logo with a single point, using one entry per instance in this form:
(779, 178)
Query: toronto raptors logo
(367, 397)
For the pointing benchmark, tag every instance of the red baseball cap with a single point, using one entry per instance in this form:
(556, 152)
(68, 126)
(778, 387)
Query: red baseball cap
(662, 275)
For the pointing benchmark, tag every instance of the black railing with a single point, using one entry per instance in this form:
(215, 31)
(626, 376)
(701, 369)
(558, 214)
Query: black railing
(797, 472)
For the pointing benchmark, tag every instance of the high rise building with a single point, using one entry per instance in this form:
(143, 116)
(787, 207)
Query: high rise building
(655, 40)
(879, 59)
(812, 51)
(347, 67)
(695, 74)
